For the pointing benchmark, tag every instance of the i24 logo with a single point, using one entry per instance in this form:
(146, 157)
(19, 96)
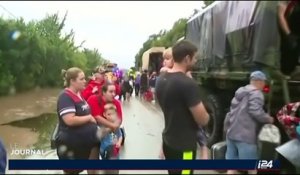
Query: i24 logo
(264, 164)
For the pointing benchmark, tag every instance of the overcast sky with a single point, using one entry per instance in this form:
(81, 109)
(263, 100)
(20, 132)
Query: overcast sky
(117, 29)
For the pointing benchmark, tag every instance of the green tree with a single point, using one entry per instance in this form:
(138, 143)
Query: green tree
(33, 54)
(93, 58)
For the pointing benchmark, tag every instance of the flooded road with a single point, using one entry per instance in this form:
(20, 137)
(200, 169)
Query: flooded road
(30, 104)
(27, 119)
(143, 123)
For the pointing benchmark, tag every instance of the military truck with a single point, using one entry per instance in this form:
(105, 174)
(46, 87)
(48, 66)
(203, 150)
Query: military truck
(152, 59)
(235, 38)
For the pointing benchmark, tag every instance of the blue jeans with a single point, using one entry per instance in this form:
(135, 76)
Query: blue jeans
(240, 150)
(107, 144)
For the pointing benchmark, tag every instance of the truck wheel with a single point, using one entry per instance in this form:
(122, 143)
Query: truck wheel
(214, 107)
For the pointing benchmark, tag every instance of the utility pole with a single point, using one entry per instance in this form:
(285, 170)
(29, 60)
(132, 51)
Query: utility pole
(10, 13)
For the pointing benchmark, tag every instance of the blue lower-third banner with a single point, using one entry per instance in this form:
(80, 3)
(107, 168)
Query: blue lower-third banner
(17, 164)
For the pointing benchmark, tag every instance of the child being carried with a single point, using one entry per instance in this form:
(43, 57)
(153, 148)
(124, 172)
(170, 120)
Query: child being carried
(111, 142)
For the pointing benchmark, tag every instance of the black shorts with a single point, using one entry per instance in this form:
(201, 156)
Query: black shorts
(70, 147)
(171, 153)
(72, 152)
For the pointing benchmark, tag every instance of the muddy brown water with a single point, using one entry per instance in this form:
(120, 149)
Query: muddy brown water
(27, 119)
(27, 105)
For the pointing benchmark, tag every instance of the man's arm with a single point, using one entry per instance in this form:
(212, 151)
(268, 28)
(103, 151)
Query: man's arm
(200, 114)
(192, 98)
(255, 109)
(282, 6)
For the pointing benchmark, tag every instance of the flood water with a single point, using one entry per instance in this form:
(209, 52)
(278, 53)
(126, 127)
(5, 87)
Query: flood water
(33, 133)
(27, 120)
(27, 105)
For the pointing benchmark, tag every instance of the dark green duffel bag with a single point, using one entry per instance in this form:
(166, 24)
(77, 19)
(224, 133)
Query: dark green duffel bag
(54, 137)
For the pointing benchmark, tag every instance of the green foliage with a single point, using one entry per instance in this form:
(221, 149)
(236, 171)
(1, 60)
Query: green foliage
(33, 54)
(162, 39)
(207, 3)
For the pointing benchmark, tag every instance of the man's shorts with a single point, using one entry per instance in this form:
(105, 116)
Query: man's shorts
(240, 150)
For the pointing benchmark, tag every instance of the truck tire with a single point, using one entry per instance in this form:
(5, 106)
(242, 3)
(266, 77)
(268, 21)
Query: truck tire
(213, 105)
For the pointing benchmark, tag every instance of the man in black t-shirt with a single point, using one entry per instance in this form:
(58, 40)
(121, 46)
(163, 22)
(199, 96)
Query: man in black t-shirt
(180, 101)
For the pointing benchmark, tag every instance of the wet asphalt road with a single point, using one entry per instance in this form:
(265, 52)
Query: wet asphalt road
(143, 123)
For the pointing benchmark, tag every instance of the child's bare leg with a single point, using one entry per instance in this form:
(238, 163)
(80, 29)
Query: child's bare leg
(204, 152)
